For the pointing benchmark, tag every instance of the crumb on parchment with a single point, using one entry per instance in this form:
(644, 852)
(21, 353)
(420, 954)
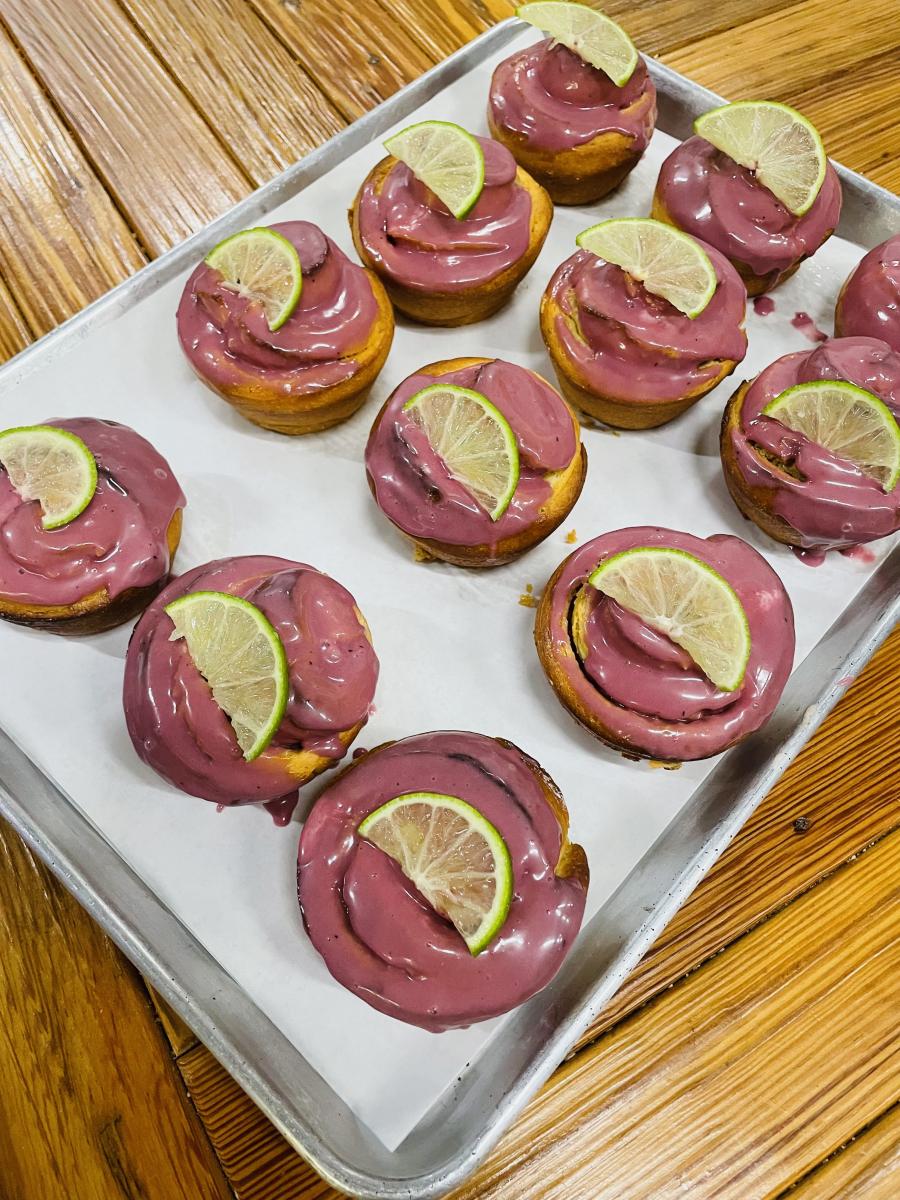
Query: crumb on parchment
(660, 764)
(528, 598)
(571, 537)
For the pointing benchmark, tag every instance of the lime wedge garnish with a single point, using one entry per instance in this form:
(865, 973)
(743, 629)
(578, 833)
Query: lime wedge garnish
(445, 158)
(51, 466)
(473, 439)
(453, 855)
(846, 420)
(262, 265)
(773, 140)
(688, 601)
(666, 261)
(239, 654)
(588, 33)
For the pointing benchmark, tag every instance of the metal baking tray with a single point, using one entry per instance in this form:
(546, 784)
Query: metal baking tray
(458, 1132)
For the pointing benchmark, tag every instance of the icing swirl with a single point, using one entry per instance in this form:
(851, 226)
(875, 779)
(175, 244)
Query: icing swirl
(227, 338)
(553, 99)
(709, 195)
(869, 303)
(178, 728)
(631, 345)
(377, 935)
(415, 241)
(829, 502)
(412, 484)
(119, 542)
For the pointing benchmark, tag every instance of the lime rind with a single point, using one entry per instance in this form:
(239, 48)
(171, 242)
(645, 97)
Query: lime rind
(416, 868)
(450, 444)
(784, 408)
(667, 261)
(205, 645)
(446, 158)
(776, 169)
(590, 34)
(249, 264)
(15, 447)
(725, 665)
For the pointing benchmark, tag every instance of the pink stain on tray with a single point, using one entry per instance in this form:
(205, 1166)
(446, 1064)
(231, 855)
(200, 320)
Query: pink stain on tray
(860, 554)
(807, 326)
(763, 306)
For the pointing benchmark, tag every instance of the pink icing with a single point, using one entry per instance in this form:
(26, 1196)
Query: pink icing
(228, 341)
(763, 306)
(708, 195)
(833, 505)
(646, 689)
(376, 933)
(176, 725)
(416, 491)
(804, 323)
(555, 100)
(415, 240)
(117, 543)
(870, 303)
(635, 346)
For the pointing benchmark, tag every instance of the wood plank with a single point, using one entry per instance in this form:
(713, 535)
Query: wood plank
(159, 159)
(356, 62)
(62, 242)
(739, 1080)
(867, 1168)
(801, 832)
(90, 1102)
(252, 91)
(14, 333)
(181, 1037)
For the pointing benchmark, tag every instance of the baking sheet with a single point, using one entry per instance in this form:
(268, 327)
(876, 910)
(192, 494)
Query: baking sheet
(229, 876)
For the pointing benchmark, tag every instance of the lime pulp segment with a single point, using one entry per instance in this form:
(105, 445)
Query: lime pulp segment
(455, 857)
(51, 466)
(684, 598)
(264, 266)
(591, 35)
(238, 652)
(446, 158)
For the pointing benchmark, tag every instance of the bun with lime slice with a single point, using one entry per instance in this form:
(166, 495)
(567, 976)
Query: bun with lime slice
(665, 645)
(475, 460)
(90, 519)
(285, 327)
(811, 446)
(437, 880)
(246, 678)
(449, 223)
(641, 321)
(754, 182)
(577, 113)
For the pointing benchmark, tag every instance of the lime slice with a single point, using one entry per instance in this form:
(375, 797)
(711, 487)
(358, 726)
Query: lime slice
(473, 439)
(239, 654)
(445, 158)
(454, 856)
(686, 600)
(778, 143)
(51, 466)
(264, 266)
(666, 261)
(588, 33)
(846, 420)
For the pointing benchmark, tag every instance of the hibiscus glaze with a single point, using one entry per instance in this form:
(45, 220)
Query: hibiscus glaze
(646, 690)
(710, 196)
(412, 484)
(178, 728)
(553, 99)
(227, 338)
(869, 303)
(414, 240)
(830, 503)
(118, 543)
(377, 934)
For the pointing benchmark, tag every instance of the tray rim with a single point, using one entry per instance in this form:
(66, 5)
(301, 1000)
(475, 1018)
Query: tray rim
(64, 839)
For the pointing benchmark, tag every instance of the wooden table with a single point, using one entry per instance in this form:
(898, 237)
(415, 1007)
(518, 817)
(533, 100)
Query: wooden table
(757, 1047)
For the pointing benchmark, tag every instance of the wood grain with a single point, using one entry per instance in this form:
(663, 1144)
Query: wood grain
(737, 1081)
(262, 103)
(157, 156)
(62, 242)
(14, 333)
(867, 1168)
(90, 1103)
